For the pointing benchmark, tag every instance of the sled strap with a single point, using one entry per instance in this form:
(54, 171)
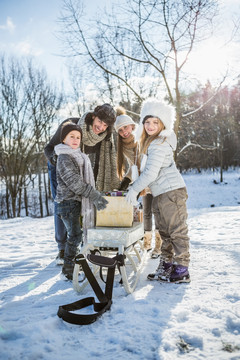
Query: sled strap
(105, 299)
(65, 313)
(104, 261)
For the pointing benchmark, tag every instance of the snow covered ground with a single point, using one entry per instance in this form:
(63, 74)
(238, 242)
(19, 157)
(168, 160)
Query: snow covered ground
(200, 320)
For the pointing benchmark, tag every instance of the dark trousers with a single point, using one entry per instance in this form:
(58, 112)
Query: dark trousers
(60, 230)
(149, 209)
(70, 211)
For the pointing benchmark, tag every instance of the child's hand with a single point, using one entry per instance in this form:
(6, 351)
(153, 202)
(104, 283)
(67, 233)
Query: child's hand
(98, 200)
(101, 203)
(131, 197)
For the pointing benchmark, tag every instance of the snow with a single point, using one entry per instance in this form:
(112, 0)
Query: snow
(200, 320)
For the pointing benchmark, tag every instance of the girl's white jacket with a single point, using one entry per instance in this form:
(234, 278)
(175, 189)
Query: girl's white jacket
(160, 173)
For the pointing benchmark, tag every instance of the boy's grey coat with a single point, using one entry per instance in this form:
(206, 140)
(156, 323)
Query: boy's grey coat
(70, 185)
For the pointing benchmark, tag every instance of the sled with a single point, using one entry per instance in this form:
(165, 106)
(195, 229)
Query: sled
(110, 241)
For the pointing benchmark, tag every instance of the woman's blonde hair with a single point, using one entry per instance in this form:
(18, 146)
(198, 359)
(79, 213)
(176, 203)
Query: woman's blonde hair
(145, 139)
(120, 158)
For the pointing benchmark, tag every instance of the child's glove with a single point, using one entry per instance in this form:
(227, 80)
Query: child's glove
(131, 197)
(98, 200)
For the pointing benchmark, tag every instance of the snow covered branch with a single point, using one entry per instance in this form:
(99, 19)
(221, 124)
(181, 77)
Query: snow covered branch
(196, 145)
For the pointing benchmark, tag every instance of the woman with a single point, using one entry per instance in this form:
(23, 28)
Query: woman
(126, 147)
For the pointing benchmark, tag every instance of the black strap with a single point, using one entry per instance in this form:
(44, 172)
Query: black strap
(104, 261)
(65, 311)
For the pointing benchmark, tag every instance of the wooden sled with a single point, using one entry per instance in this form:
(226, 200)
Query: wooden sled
(110, 241)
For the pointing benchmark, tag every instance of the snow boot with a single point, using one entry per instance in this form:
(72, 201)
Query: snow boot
(60, 258)
(162, 272)
(147, 239)
(158, 243)
(179, 274)
(67, 271)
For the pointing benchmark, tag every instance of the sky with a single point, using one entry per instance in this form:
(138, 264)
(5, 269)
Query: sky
(29, 27)
(195, 321)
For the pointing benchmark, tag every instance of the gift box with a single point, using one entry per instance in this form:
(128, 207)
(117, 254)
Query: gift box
(118, 213)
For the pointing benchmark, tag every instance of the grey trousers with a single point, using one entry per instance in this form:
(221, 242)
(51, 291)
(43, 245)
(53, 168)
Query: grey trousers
(149, 209)
(172, 225)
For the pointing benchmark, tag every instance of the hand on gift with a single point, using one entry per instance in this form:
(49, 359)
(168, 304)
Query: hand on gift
(98, 200)
(131, 197)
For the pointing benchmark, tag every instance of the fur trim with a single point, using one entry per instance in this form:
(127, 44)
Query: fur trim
(162, 110)
(120, 111)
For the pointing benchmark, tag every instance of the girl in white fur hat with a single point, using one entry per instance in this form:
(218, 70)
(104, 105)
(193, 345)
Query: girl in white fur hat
(160, 174)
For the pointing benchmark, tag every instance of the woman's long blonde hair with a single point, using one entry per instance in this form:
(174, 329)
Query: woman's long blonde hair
(145, 139)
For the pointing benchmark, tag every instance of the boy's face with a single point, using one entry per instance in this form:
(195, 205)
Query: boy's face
(98, 126)
(73, 139)
(125, 131)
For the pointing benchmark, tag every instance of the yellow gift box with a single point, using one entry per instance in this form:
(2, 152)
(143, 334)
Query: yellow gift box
(118, 213)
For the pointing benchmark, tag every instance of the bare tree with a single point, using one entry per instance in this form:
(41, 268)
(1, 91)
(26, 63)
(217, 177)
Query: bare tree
(154, 37)
(28, 105)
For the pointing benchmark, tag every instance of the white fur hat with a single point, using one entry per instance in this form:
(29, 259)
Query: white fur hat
(123, 120)
(165, 112)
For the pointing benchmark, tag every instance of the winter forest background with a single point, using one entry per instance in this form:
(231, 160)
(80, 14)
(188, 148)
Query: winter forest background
(112, 59)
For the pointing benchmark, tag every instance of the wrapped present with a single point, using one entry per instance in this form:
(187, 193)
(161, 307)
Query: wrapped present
(118, 213)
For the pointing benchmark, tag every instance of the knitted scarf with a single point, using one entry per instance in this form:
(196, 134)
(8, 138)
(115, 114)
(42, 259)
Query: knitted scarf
(86, 174)
(107, 173)
(127, 148)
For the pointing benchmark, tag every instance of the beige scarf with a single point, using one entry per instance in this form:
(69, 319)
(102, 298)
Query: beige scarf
(107, 179)
(130, 148)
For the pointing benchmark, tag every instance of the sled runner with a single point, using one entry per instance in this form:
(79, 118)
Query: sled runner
(109, 242)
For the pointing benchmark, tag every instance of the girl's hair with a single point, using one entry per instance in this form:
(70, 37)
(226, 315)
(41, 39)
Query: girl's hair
(120, 158)
(145, 139)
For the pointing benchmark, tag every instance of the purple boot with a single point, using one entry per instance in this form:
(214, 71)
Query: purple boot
(162, 272)
(179, 274)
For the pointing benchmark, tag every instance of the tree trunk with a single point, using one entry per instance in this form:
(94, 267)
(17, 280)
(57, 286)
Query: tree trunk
(19, 202)
(46, 193)
(40, 193)
(26, 201)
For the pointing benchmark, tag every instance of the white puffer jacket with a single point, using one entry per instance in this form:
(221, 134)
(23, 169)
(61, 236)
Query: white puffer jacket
(160, 173)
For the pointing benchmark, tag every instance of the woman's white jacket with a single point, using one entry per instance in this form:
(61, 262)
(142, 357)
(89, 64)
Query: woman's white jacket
(160, 173)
